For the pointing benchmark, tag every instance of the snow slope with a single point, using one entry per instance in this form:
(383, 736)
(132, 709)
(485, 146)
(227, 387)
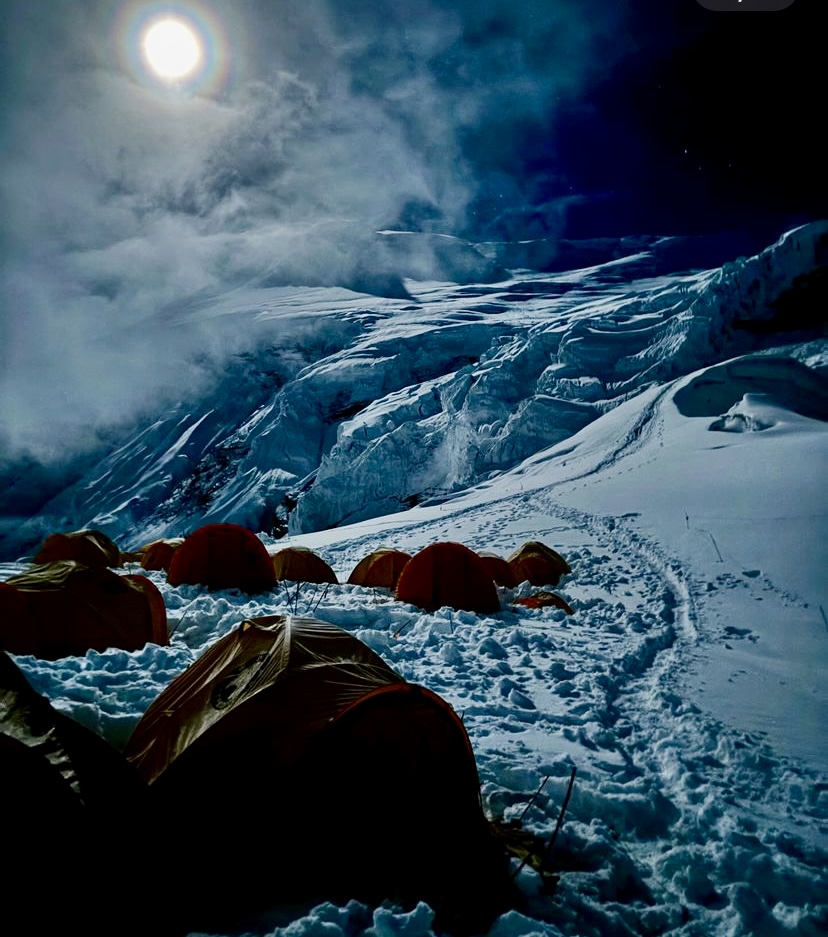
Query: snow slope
(345, 405)
(688, 687)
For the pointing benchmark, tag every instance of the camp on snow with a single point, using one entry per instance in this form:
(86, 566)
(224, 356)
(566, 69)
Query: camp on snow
(448, 574)
(381, 568)
(222, 556)
(292, 732)
(64, 608)
(299, 564)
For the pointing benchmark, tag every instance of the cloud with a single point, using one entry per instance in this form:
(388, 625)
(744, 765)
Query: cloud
(122, 199)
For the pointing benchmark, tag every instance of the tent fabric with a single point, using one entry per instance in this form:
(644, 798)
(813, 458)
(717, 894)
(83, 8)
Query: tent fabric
(498, 569)
(292, 732)
(90, 547)
(545, 599)
(61, 783)
(538, 564)
(448, 574)
(223, 556)
(158, 554)
(298, 564)
(63, 609)
(293, 656)
(381, 568)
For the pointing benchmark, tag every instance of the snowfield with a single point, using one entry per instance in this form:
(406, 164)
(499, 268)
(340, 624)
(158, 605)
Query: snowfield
(665, 433)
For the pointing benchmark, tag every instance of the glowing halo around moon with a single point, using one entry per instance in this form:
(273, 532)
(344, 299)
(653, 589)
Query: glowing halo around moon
(173, 47)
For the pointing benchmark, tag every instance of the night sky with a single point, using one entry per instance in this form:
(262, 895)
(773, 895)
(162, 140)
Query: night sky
(123, 194)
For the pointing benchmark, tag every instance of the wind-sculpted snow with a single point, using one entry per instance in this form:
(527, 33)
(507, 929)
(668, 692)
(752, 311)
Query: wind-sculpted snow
(354, 405)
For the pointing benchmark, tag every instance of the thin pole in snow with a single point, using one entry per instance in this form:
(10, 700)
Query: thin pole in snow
(533, 798)
(559, 824)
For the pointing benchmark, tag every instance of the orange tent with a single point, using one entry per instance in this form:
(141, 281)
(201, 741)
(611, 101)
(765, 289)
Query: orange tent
(61, 609)
(380, 568)
(545, 599)
(499, 569)
(90, 547)
(298, 564)
(223, 556)
(159, 553)
(293, 732)
(538, 564)
(447, 574)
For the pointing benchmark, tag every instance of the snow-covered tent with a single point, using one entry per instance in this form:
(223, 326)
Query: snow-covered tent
(299, 564)
(223, 556)
(448, 574)
(545, 599)
(60, 609)
(290, 732)
(90, 547)
(382, 568)
(538, 564)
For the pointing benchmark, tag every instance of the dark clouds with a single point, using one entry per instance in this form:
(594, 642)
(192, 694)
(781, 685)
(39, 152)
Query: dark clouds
(121, 200)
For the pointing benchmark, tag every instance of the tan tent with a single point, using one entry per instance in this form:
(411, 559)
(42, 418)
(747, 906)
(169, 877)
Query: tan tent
(538, 564)
(61, 609)
(298, 564)
(158, 554)
(380, 568)
(222, 556)
(290, 732)
(448, 574)
(90, 547)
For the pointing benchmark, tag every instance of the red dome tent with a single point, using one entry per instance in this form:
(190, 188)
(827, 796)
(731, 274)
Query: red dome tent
(499, 569)
(63, 609)
(381, 568)
(292, 732)
(448, 574)
(223, 556)
(539, 564)
(298, 564)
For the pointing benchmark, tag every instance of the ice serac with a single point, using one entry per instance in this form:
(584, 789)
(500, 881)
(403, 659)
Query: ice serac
(541, 384)
(355, 404)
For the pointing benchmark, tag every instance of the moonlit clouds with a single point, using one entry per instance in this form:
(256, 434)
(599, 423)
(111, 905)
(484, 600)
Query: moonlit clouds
(124, 194)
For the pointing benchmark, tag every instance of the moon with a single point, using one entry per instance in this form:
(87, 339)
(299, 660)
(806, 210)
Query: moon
(172, 49)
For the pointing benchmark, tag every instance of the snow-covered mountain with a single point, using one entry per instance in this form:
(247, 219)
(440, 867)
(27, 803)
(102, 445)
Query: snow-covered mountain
(449, 369)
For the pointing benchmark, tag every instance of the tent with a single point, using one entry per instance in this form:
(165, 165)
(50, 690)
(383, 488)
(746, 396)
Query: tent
(60, 609)
(298, 564)
(381, 568)
(538, 564)
(498, 569)
(62, 784)
(90, 547)
(159, 553)
(448, 574)
(544, 599)
(292, 735)
(223, 556)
